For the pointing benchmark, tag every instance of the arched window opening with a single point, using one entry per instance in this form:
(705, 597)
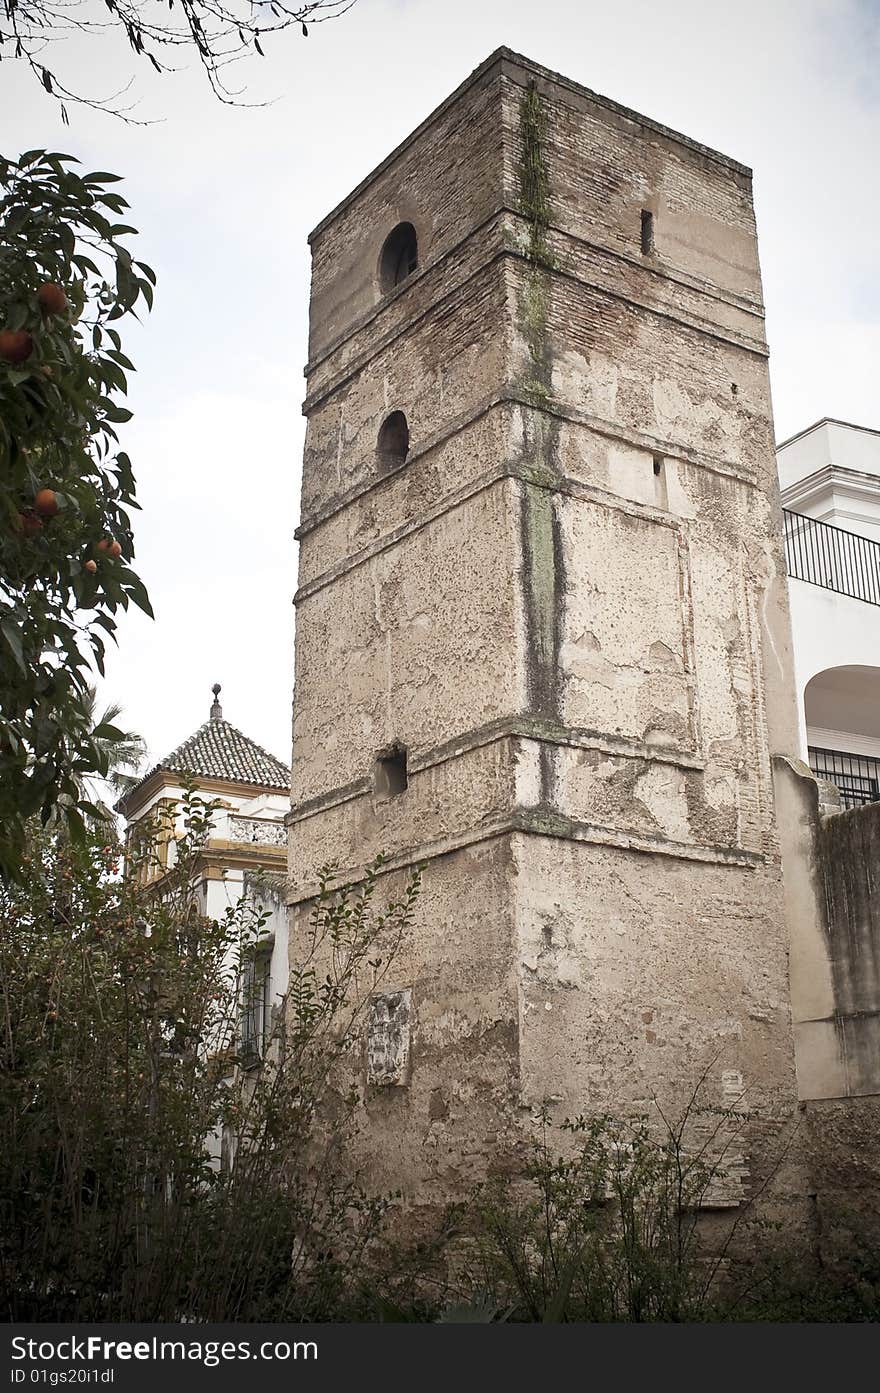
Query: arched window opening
(400, 256)
(392, 446)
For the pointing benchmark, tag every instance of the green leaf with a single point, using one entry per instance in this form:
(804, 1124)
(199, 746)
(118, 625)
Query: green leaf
(120, 358)
(138, 593)
(12, 635)
(15, 314)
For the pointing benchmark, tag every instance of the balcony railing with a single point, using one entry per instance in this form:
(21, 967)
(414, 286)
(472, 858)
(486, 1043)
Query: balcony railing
(856, 776)
(268, 830)
(828, 556)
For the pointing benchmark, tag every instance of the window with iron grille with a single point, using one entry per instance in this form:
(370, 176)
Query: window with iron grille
(857, 777)
(255, 1015)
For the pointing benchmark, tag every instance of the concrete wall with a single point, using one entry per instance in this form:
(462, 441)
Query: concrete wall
(832, 868)
(832, 865)
(847, 1038)
(568, 605)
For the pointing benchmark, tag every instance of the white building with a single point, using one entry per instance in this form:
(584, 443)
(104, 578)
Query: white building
(248, 837)
(830, 480)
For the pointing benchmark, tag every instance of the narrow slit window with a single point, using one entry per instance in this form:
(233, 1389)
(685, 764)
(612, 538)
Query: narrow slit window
(661, 498)
(390, 776)
(647, 232)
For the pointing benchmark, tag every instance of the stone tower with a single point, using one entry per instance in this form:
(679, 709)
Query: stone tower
(542, 632)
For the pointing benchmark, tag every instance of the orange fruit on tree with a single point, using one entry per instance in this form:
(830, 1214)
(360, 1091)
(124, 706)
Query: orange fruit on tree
(46, 503)
(51, 298)
(90, 566)
(30, 523)
(114, 549)
(16, 345)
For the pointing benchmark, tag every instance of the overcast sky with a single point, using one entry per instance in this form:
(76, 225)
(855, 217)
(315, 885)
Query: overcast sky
(224, 199)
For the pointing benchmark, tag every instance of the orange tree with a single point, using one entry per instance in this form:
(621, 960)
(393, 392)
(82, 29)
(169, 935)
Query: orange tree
(66, 279)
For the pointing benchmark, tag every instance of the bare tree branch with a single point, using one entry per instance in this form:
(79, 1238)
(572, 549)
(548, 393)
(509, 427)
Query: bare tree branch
(221, 32)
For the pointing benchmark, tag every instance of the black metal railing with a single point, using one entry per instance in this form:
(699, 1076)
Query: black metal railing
(828, 556)
(856, 776)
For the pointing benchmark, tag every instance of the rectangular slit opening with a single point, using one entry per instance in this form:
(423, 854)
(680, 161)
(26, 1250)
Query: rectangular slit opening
(660, 495)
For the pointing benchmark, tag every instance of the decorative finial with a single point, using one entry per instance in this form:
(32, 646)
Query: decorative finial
(216, 709)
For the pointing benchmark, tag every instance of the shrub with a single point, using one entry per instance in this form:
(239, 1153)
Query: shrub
(145, 1174)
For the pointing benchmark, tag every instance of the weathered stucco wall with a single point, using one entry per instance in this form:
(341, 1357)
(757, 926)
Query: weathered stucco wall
(849, 866)
(832, 864)
(841, 1150)
(568, 606)
(835, 953)
(453, 1113)
(637, 970)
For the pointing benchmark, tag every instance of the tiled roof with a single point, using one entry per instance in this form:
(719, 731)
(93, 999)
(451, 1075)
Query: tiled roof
(219, 750)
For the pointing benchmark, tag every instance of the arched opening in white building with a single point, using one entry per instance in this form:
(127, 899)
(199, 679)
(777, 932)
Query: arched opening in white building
(842, 712)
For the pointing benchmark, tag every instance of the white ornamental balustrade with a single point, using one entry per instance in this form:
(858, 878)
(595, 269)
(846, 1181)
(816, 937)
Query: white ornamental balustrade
(267, 831)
